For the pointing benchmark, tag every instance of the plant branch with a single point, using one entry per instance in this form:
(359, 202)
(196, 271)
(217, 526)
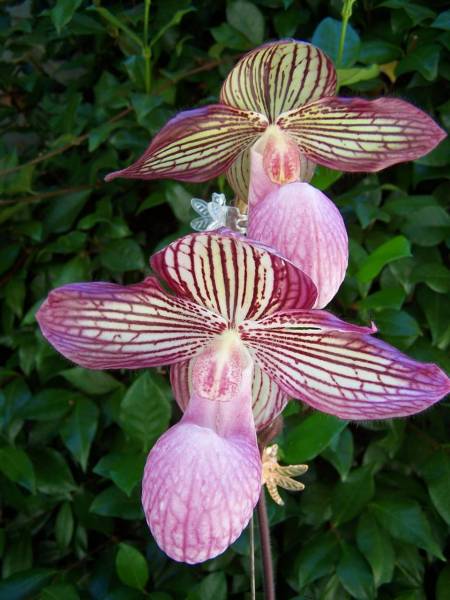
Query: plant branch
(264, 536)
(252, 559)
(82, 138)
(346, 14)
(146, 48)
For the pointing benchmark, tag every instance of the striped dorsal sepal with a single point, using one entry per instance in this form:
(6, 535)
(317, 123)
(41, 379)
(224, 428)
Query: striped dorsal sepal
(279, 77)
(233, 276)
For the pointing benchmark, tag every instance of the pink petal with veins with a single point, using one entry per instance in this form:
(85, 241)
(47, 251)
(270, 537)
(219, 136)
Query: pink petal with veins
(109, 326)
(232, 276)
(339, 368)
(307, 228)
(202, 479)
(268, 399)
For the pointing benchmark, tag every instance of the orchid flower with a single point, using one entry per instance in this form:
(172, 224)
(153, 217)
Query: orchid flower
(281, 97)
(239, 330)
(302, 224)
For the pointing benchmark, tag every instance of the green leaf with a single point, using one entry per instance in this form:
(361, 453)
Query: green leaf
(78, 431)
(354, 574)
(212, 587)
(59, 591)
(389, 298)
(351, 496)
(131, 567)
(340, 452)
(327, 35)
(357, 74)
(62, 13)
(404, 520)
(437, 312)
(18, 556)
(91, 382)
(424, 59)
(119, 24)
(394, 249)
(125, 469)
(427, 226)
(145, 409)
(53, 475)
(435, 275)
(247, 19)
(175, 20)
(48, 405)
(416, 12)
(397, 323)
(63, 211)
(122, 255)
(308, 439)
(442, 21)
(376, 547)
(436, 471)
(22, 586)
(114, 503)
(16, 465)
(316, 559)
(443, 582)
(64, 525)
(325, 177)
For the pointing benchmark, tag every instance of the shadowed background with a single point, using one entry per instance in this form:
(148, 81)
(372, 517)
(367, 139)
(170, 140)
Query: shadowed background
(81, 95)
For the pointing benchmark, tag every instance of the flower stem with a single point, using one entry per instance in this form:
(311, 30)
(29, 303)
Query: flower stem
(252, 559)
(146, 51)
(346, 14)
(264, 536)
(342, 42)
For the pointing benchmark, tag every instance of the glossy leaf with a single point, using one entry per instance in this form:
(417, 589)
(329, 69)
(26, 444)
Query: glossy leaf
(131, 567)
(311, 437)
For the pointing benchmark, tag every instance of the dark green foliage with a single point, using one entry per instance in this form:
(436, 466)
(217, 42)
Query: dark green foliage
(374, 519)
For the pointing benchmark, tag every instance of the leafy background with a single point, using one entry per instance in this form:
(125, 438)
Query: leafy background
(374, 519)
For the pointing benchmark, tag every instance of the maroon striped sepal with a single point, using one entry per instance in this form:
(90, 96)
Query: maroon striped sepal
(197, 145)
(352, 134)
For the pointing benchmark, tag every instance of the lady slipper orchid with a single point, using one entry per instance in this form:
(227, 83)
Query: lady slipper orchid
(282, 96)
(238, 328)
(302, 224)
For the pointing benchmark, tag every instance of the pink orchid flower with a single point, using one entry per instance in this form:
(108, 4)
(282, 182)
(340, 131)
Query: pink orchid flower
(281, 96)
(302, 224)
(238, 329)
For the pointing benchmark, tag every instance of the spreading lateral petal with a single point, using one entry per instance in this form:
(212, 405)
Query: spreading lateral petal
(109, 326)
(353, 134)
(338, 368)
(197, 145)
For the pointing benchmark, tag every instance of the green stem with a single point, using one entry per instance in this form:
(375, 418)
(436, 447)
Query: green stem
(146, 51)
(342, 41)
(146, 20)
(347, 10)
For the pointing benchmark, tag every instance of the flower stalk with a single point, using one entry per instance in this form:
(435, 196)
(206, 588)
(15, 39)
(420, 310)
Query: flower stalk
(146, 50)
(347, 10)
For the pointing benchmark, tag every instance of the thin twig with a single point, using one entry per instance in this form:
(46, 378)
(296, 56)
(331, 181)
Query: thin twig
(45, 195)
(252, 559)
(82, 138)
(264, 536)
